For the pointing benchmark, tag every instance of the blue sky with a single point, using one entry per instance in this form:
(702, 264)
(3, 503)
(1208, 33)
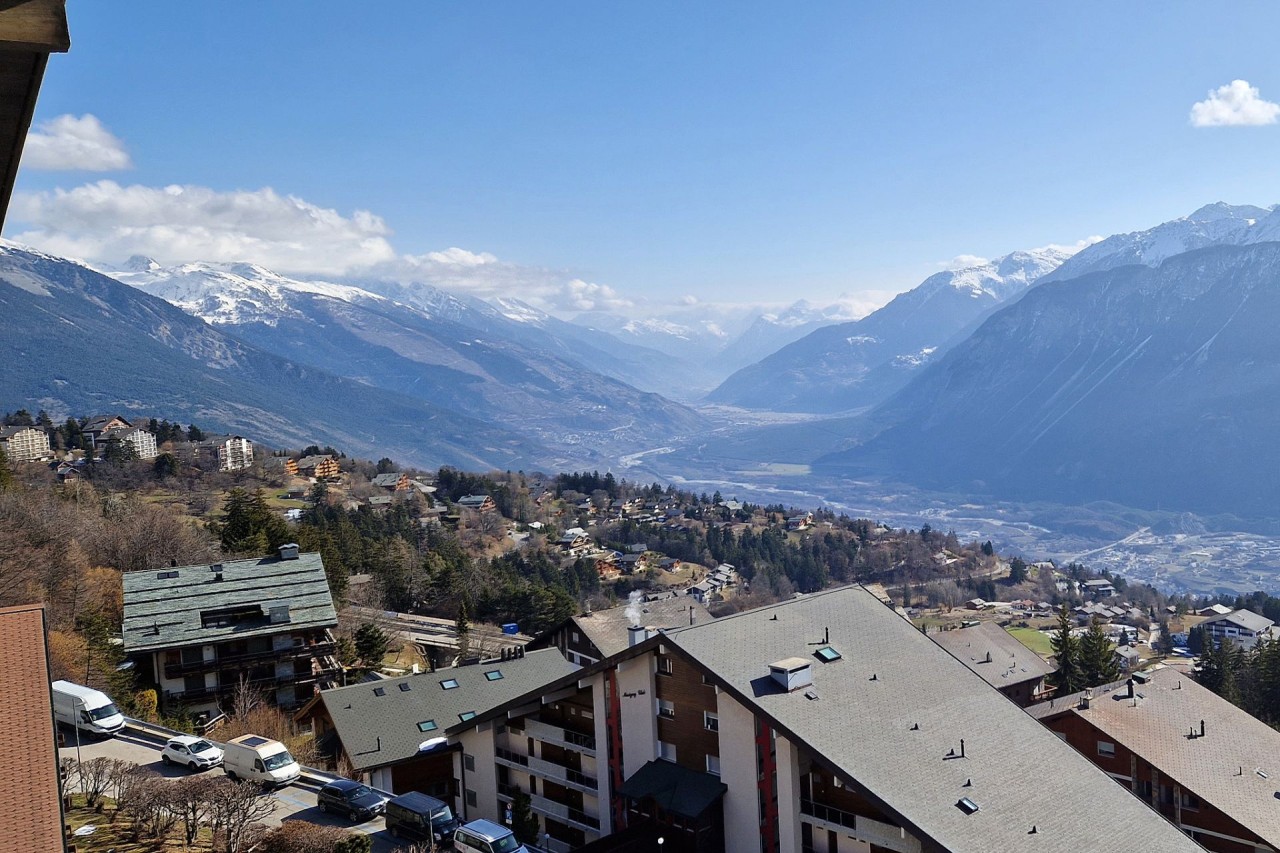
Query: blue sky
(591, 154)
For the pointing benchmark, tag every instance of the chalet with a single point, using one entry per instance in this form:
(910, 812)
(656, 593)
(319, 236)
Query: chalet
(393, 481)
(25, 444)
(1190, 755)
(196, 631)
(575, 542)
(607, 567)
(1128, 658)
(630, 563)
(702, 591)
(477, 503)
(1098, 588)
(323, 467)
(65, 470)
(638, 548)
(94, 428)
(670, 564)
(380, 503)
(1213, 610)
(803, 521)
(1001, 660)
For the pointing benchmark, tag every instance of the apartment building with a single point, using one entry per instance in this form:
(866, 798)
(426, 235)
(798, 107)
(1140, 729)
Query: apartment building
(234, 452)
(25, 444)
(197, 632)
(1244, 628)
(1207, 766)
(825, 724)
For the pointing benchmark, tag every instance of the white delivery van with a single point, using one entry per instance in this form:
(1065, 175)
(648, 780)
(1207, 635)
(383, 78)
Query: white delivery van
(259, 759)
(89, 710)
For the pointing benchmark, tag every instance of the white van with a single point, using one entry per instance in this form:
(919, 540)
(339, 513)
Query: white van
(259, 759)
(86, 709)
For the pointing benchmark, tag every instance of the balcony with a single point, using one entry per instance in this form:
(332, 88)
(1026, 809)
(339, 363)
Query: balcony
(544, 769)
(559, 811)
(303, 652)
(585, 744)
(861, 828)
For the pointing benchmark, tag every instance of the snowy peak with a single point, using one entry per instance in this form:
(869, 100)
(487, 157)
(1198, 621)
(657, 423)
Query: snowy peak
(230, 293)
(1000, 278)
(1212, 225)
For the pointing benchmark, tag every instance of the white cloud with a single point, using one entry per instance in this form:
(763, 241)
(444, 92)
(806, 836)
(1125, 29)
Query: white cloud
(1235, 104)
(68, 142)
(104, 221)
(963, 262)
(1072, 248)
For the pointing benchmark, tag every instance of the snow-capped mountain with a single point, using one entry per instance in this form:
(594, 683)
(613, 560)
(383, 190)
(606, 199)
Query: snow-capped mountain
(856, 364)
(451, 351)
(1217, 224)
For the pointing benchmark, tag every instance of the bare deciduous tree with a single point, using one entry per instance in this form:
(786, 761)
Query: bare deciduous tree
(236, 810)
(93, 777)
(192, 802)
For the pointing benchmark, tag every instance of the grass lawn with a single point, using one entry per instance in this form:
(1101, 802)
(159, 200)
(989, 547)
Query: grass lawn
(1034, 640)
(109, 837)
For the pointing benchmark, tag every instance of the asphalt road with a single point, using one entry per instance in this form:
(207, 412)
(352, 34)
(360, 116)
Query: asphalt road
(293, 802)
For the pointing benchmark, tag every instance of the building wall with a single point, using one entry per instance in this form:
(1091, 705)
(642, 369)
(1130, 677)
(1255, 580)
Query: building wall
(691, 699)
(1162, 793)
(738, 771)
(27, 445)
(478, 744)
(639, 721)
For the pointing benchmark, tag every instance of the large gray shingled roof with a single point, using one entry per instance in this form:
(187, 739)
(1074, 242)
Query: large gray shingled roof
(162, 608)
(887, 715)
(993, 653)
(607, 629)
(378, 722)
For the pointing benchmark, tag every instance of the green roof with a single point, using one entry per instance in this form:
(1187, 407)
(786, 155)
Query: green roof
(174, 607)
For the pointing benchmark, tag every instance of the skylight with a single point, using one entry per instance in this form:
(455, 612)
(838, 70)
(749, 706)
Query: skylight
(966, 805)
(827, 654)
(405, 687)
(379, 691)
(493, 675)
(466, 715)
(427, 726)
(449, 683)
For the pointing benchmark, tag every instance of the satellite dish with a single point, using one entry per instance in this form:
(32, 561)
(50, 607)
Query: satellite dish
(428, 745)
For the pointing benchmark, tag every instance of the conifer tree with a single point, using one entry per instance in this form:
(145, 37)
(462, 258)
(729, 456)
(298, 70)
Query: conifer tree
(1066, 649)
(1097, 660)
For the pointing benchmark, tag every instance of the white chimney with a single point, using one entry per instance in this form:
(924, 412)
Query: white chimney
(289, 552)
(792, 673)
(640, 633)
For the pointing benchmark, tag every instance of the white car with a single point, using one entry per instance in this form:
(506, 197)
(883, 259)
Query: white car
(194, 753)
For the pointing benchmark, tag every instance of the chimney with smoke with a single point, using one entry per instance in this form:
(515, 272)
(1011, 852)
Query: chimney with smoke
(634, 611)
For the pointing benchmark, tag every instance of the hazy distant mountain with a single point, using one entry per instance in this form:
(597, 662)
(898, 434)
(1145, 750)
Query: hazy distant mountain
(857, 364)
(461, 354)
(1151, 387)
(77, 342)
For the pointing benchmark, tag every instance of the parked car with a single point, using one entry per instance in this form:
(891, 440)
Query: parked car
(485, 836)
(418, 817)
(193, 753)
(356, 800)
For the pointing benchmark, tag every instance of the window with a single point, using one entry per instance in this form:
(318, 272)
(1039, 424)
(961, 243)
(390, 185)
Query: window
(713, 764)
(664, 666)
(466, 715)
(427, 726)
(710, 721)
(493, 675)
(469, 763)
(827, 654)
(471, 798)
(576, 637)
(379, 691)
(1106, 749)
(405, 687)
(666, 750)
(1190, 802)
(449, 683)
(666, 709)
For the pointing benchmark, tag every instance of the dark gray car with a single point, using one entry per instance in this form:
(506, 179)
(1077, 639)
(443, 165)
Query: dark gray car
(357, 801)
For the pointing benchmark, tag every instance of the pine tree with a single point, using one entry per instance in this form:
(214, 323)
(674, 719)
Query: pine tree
(524, 823)
(1097, 660)
(1066, 649)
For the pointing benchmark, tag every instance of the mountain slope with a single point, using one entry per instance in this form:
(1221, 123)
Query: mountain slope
(449, 352)
(858, 364)
(1152, 387)
(77, 342)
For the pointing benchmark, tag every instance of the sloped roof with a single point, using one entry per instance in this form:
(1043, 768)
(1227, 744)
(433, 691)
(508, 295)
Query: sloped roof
(993, 653)
(378, 722)
(162, 608)
(676, 789)
(1246, 619)
(607, 629)
(1219, 768)
(30, 806)
(890, 711)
